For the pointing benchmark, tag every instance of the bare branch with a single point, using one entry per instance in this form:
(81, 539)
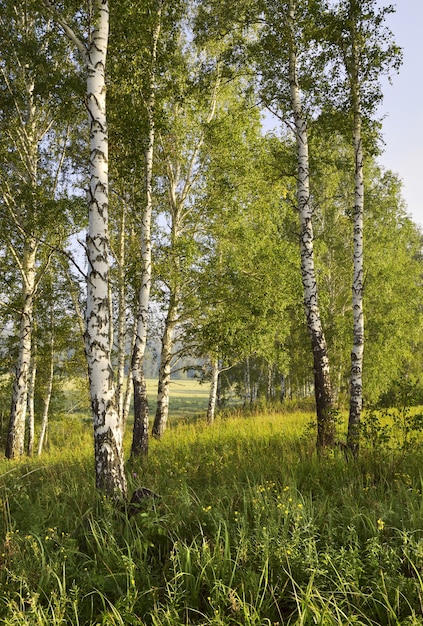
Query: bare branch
(70, 33)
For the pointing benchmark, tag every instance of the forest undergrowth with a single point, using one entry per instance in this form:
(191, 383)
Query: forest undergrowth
(252, 528)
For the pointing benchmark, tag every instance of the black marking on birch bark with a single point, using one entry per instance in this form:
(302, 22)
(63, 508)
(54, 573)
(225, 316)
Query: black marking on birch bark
(98, 49)
(102, 242)
(98, 129)
(97, 153)
(103, 189)
(91, 96)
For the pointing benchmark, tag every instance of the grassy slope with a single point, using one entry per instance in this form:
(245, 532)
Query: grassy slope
(252, 529)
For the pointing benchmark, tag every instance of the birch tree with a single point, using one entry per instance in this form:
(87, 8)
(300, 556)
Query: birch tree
(283, 50)
(214, 384)
(119, 247)
(322, 382)
(32, 152)
(181, 151)
(332, 188)
(16, 433)
(356, 394)
(392, 260)
(141, 414)
(290, 82)
(141, 81)
(109, 468)
(366, 50)
(242, 280)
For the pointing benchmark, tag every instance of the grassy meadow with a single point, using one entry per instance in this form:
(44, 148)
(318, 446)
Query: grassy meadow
(188, 398)
(252, 527)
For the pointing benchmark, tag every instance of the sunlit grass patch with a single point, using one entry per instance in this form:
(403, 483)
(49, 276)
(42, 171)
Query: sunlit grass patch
(252, 528)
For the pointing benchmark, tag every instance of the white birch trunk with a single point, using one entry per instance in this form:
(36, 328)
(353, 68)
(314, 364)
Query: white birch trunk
(47, 397)
(141, 412)
(213, 391)
(16, 433)
(322, 386)
(108, 451)
(177, 201)
(121, 322)
(163, 387)
(110, 475)
(129, 385)
(127, 401)
(31, 403)
(356, 397)
(109, 468)
(29, 149)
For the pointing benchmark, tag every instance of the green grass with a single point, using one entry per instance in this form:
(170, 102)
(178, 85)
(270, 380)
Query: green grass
(252, 529)
(187, 398)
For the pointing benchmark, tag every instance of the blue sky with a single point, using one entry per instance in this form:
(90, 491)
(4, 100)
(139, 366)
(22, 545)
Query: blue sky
(403, 106)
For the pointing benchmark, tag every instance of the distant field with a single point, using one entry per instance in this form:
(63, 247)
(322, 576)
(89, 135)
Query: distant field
(188, 398)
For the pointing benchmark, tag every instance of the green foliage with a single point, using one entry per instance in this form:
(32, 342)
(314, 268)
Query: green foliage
(392, 282)
(243, 278)
(251, 529)
(362, 49)
(393, 314)
(397, 428)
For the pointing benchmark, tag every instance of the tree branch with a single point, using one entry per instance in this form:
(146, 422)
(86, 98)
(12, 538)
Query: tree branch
(70, 33)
